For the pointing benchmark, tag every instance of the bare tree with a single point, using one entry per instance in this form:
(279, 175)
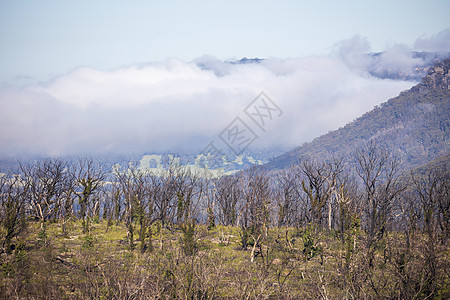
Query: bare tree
(432, 192)
(209, 200)
(320, 185)
(66, 209)
(165, 194)
(45, 185)
(227, 194)
(133, 185)
(188, 189)
(12, 208)
(288, 203)
(257, 199)
(380, 178)
(89, 178)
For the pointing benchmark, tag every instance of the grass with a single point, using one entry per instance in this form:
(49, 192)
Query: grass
(100, 265)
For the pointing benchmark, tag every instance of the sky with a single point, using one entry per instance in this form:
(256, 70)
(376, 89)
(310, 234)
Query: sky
(103, 75)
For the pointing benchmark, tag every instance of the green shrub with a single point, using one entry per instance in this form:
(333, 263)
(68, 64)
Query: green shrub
(310, 247)
(188, 242)
(88, 242)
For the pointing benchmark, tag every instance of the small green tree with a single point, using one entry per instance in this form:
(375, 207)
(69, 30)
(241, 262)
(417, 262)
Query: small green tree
(188, 242)
(211, 223)
(12, 209)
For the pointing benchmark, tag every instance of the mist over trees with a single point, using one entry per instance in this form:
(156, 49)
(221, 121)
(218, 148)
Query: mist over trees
(325, 229)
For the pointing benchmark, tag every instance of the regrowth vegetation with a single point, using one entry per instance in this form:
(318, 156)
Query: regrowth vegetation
(321, 229)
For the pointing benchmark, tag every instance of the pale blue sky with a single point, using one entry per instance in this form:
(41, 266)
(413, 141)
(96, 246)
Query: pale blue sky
(69, 70)
(45, 38)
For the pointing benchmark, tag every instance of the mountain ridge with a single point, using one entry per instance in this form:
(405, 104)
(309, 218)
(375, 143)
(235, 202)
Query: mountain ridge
(414, 125)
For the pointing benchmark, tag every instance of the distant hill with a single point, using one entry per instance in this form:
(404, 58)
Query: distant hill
(411, 71)
(414, 125)
(406, 65)
(440, 162)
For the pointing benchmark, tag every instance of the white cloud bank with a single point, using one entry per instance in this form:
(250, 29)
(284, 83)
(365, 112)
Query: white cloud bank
(175, 105)
(439, 42)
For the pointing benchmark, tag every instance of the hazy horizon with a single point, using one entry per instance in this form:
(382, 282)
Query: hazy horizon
(78, 79)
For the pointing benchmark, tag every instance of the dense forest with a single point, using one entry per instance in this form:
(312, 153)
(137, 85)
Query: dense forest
(318, 230)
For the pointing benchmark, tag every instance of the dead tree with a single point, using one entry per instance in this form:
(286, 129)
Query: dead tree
(12, 208)
(68, 196)
(140, 191)
(379, 174)
(432, 191)
(257, 197)
(287, 197)
(90, 177)
(227, 194)
(319, 183)
(44, 182)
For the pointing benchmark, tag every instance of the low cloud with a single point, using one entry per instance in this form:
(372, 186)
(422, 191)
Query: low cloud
(175, 105)
(439, 42)
(398, 62)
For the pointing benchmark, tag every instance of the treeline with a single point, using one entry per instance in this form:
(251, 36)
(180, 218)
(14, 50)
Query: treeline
(360, 205)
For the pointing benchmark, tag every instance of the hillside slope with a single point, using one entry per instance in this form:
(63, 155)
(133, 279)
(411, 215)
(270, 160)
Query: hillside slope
(414, 125)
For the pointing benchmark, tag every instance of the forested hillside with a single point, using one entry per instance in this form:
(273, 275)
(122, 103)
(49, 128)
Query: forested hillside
(414, 126)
